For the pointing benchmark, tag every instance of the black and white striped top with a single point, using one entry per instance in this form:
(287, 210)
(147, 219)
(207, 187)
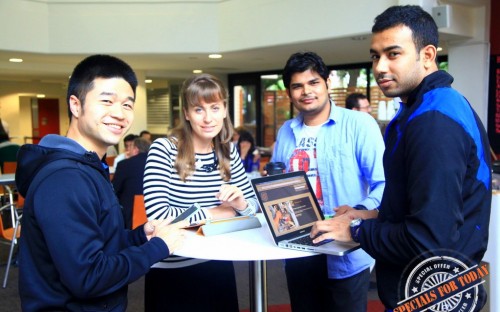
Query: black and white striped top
(165, 194)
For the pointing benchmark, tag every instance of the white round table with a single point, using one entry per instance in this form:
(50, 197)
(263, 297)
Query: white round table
(255, 245)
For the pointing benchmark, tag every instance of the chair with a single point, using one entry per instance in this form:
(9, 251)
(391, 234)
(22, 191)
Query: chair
(9, 167)
(139, 212)
(10, 235)
(110, 160)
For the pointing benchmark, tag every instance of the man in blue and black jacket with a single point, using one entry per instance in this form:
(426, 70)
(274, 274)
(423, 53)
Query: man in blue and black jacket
(437, 197)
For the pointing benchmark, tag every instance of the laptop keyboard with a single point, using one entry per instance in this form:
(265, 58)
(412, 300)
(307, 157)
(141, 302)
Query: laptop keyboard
(307, 240)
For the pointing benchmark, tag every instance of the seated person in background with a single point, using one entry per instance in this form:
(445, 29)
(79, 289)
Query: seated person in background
(8, 150)
(129, 173)
(128, 142)
(358, 102)
(146, 135)
(249, 154)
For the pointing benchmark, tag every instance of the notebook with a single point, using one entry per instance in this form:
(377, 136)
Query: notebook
(291, 208)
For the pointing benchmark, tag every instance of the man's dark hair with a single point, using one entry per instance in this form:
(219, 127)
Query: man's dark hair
(4, 136)
(352, 101)
(142, 144)
(129, 138)
(302, 61)
(97, 66)
(423, 27)
(144, 132)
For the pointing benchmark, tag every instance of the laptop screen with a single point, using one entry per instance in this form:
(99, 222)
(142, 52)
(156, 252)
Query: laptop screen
(288, 202)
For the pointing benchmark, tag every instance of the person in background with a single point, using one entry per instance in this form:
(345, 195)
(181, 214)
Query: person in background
(128, 143)
(127, 181)
(358, 102)
(74, 253)
(236, 134)
(146, 135)
(8, 150)
(249, 154)
(437, 199)
(196, 163)
(341, 152)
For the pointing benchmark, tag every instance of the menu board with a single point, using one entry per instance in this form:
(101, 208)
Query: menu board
(494, 104)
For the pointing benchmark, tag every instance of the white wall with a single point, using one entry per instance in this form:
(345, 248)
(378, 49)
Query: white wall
(178, 27)
(289, 21)
(15, 106)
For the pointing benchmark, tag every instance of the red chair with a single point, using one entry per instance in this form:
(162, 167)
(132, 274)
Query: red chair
(139, 212)
(10, 234)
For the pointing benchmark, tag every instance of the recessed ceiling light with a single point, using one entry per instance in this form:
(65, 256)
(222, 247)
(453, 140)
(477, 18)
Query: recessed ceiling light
(439, 49)
(40, 96)
(148, 80)
(215, 56)
(197, 71)
(16, 60)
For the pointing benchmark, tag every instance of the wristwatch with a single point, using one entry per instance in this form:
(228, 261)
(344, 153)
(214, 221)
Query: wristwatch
(354, 226)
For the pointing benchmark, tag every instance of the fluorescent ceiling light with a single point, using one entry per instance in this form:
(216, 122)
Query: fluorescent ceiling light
(275, 76)
(40, 96)
(215, 56)
(148, 80)
(16, 60)
(197, 71)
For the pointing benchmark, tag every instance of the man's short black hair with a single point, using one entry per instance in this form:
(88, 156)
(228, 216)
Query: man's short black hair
(423, 27)
(302, 61)
(130, 138)
(352, 101)
(4, 135)
(97, 66)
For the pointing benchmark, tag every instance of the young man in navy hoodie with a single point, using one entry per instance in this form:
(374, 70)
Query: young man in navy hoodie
(74, 252)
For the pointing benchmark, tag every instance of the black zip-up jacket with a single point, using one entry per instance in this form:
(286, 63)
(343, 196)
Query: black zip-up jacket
(437, 196)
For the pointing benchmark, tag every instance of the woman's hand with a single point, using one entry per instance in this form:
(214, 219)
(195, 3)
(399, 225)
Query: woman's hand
(233, 196)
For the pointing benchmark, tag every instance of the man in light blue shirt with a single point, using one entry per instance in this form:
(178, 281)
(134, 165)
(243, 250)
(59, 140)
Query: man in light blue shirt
(341, 151)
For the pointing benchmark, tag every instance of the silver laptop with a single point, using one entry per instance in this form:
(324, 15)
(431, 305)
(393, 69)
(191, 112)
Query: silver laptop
(291, 208)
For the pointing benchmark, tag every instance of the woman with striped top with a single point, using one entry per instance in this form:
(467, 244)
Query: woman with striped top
(196, 163)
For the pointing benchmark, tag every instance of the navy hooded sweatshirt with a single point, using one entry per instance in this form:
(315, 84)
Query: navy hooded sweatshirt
(74, 253)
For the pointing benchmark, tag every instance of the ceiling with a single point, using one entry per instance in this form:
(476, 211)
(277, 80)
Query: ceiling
(57, 67)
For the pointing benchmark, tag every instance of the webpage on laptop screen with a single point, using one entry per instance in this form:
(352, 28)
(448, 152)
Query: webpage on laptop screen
(289, 204)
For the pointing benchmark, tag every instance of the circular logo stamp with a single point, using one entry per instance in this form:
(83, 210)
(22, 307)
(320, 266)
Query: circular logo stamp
(441, 284)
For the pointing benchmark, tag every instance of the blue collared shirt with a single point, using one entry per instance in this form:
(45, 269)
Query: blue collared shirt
(349, 153)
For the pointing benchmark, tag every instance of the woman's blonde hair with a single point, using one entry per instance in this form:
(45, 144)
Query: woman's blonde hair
(202, 88)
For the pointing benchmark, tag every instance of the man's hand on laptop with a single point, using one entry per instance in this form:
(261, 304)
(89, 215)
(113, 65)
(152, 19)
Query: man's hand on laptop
(336, 228)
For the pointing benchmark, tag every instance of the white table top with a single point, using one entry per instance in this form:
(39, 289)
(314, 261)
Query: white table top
(8, 178)
(247, 245)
